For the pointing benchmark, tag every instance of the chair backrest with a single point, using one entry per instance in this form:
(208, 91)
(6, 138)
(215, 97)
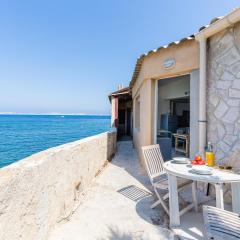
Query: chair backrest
(153, 160)
(221, 224)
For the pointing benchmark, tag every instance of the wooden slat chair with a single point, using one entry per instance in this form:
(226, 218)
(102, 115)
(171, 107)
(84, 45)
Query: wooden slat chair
(220, 224)
(158, 177)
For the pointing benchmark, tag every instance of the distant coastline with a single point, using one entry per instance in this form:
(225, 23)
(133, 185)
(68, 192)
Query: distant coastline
(53, 114)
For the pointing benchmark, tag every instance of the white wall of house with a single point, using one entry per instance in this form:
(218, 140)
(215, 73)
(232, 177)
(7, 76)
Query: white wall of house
(186, 55)
(143, 115)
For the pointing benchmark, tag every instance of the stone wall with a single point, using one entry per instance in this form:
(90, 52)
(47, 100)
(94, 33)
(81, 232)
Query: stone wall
(223, 96)
(45, 188)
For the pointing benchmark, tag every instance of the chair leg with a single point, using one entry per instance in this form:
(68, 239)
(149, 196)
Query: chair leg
(166, 196)
(194, 196)
(156, 204)
(161, 201)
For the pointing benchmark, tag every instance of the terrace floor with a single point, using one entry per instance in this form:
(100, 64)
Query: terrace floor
(117, 207)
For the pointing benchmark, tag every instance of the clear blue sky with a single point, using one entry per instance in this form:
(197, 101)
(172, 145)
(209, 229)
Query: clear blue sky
(67, 56)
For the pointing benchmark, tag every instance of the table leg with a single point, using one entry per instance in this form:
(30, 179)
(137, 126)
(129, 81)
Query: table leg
(173, 201)
(194, 195)
(219, 195)
(187, 144)
(235, 197)
(176, 144)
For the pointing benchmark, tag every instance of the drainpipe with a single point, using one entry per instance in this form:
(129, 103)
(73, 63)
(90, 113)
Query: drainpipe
(202, 95)
(155, 114)
(202, 36)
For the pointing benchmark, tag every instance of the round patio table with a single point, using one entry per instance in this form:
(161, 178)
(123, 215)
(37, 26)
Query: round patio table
(218, 177)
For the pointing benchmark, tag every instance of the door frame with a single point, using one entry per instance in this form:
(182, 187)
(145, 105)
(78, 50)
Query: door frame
(155, 114)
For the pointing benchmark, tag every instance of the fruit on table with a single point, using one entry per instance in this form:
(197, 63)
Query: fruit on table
(198, 160)
(201, 162)
(194, 162)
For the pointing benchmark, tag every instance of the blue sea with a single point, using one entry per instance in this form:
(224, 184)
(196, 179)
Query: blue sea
(23, 135)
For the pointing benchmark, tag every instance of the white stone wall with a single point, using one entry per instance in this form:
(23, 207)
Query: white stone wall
(45, 188)
(223, 96)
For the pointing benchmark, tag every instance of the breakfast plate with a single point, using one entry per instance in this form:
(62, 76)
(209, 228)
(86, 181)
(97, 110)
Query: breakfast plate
(181, 160)
(201, 169)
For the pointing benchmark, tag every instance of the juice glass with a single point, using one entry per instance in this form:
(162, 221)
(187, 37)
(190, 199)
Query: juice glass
(210, 159)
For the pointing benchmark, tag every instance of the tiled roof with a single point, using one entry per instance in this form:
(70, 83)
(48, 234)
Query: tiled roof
(211, 22)
(123, 91)
(141, 58)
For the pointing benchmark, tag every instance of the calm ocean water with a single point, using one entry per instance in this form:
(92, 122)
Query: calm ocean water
(23, 135)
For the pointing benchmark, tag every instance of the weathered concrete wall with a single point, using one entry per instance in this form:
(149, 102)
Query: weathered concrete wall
(223, 101)
(45, 188)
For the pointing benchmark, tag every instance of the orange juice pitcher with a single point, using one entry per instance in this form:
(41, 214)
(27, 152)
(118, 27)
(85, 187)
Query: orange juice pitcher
(210, 156)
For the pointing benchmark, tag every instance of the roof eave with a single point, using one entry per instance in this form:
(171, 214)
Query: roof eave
(142, 57)
(216, 25)
(123, 91)
(219, 25)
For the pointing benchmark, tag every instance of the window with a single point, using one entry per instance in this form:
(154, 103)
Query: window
(137, 113)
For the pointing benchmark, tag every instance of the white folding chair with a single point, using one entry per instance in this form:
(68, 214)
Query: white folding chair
(220, 224)
(158, 177)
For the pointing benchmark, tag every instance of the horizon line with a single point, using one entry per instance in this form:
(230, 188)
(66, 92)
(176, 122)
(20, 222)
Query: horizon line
(56, 114)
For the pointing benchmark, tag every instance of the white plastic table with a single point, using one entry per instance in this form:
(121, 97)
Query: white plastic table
(217, 178)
